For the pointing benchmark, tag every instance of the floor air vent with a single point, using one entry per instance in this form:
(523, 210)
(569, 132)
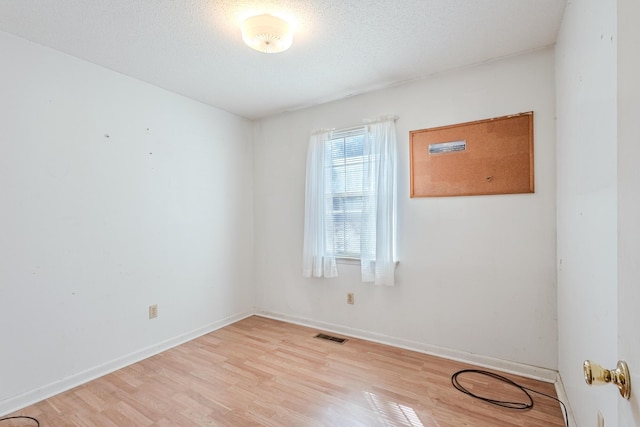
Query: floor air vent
(331, 338)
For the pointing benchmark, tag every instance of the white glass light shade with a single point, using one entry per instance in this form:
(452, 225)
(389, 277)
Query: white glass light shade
(267, 33)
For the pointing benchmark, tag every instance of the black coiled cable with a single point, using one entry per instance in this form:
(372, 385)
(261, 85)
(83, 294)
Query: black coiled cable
(19, 417)
(520, 406)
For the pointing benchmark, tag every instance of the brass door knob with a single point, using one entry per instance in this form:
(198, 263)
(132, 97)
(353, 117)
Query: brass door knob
(595, 374)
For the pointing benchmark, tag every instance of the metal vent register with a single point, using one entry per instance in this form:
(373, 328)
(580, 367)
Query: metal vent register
(331, 338)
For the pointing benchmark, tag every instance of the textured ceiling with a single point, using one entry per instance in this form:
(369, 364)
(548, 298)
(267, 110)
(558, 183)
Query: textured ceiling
(340, 48)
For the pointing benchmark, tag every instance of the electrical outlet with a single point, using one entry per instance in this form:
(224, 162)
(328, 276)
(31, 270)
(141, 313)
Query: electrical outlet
(350, 298)
(600, 419)
(153, 311)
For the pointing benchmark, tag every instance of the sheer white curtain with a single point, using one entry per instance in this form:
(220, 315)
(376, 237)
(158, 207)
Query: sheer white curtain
(379, 214)
(379, 219)
(318, 257)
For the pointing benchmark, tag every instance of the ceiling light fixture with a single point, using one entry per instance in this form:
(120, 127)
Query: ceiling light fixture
(267, 33)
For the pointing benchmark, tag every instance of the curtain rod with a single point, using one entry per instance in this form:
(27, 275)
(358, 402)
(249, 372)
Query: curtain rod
(365, 124)
(368, 122)
(381, 119)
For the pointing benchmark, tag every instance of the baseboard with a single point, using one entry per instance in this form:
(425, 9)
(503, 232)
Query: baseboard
(562, 396)
(18, 402)
(528, 371)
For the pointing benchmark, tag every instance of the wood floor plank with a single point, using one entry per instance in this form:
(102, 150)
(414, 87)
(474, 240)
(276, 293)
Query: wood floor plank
(263, 372)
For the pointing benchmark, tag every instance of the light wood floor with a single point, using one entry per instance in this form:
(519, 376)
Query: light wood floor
(263, 372)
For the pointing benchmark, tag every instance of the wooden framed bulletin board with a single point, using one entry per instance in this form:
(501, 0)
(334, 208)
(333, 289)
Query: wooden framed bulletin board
(493, 156)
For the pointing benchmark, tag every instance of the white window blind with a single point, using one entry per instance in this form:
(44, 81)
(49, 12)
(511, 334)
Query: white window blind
(345, 195)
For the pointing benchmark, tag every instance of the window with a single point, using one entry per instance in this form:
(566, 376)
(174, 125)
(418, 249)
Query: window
(345, 195)
(350, 201)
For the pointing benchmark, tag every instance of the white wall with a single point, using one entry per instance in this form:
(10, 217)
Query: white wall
(94, 229)
(587, 202)
(476, 274)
